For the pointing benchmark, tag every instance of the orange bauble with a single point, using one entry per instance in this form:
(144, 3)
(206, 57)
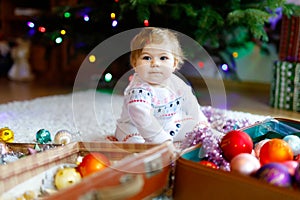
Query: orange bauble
(275, 150)
(93, 162)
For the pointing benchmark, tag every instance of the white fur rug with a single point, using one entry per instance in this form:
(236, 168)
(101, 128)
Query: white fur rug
(89, 115)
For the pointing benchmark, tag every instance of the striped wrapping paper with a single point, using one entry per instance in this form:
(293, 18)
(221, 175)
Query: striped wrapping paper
(285, 86)
(289, 47)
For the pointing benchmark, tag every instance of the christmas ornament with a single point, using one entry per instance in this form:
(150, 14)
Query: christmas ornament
(258, 146)
(43, 136)
(3, 148)
(208, 164)
(236, 142)
(245, 163)
(29, 195)
(66, 177)
(294, 142)
(32, 151)
(62, 137)
(276, 174)
(210, 149)
(6, 135)
(291, 165)
(297, 175)
(275, 150)
(93, 162)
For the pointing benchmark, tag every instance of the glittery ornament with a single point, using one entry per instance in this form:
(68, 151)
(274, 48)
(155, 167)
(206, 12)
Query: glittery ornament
(276, 174)
(294, 142)
(62, 137)
(275, 150)
(43, 136)
(6, 135)
(220, 121)
(209, 143)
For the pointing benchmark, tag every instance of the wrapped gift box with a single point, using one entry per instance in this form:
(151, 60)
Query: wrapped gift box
(195, 181)
(146, 168)
(285, 86)
(289, 48)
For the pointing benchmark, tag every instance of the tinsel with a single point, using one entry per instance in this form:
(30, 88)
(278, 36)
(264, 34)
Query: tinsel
(210, 141)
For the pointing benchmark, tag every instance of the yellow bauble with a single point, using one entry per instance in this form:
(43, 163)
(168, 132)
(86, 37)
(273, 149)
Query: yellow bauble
(66, 177)
(6, 135)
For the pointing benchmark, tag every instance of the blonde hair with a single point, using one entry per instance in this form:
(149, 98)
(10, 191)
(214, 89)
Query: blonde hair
(157, 36)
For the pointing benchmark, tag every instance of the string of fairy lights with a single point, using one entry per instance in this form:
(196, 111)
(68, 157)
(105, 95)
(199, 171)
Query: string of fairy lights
(58, 35)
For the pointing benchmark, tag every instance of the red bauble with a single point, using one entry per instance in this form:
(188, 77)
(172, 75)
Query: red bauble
(93, 162)
(208, 164)
(236, 142)
(275, 150)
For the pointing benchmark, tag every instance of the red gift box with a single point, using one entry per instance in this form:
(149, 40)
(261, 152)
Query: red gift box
(289, 48)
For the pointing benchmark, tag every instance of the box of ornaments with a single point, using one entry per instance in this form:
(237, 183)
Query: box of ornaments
(260, 161)
(82, 170)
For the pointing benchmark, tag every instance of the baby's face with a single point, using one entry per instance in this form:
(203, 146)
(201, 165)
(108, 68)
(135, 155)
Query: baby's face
(155, 64)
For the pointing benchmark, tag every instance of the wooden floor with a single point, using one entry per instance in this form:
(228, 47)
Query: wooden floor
(245, 97)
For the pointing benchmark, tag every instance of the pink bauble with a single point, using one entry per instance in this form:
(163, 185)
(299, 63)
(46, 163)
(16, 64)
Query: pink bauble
(236, 142)
(245, 163)
(291, 165)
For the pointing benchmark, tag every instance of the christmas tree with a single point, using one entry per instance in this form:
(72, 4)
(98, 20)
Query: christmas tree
(218, 25)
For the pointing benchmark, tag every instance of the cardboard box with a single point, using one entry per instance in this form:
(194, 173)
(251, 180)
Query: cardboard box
(195, 181)
(145, 167)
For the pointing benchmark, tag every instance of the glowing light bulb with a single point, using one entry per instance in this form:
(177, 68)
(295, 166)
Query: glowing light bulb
(30, 24)
(112, 15)
(107, 77)
(224, 67)
(92, 58)
(63, 32)
(86, 18)
(146, 22)
(42, 29)
(235, 54)
(58, 40)
(67, 14)
(114, 23)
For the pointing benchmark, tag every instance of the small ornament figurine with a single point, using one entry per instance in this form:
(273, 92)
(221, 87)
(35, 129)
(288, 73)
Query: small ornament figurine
(20, 70)
(62, 137)
(6, 135)
(43, 136)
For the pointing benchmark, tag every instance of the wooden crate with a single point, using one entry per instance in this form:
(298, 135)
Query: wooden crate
(148, 166)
